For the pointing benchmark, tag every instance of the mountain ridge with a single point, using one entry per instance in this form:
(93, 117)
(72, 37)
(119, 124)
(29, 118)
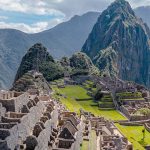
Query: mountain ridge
(120, 38)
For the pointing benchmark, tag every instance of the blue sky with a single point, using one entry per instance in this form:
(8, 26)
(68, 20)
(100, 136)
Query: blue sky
(33, 16)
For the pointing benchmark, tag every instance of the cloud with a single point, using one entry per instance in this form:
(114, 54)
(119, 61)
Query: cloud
(33, 16)
(27, 6)
(65, 8)
(3, 17)
(72, 7)
(33, 28)
(137, 3)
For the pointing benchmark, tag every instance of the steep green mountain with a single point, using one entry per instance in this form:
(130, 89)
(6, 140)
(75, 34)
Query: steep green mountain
(37, 58)
(78, 64)
(119, 44)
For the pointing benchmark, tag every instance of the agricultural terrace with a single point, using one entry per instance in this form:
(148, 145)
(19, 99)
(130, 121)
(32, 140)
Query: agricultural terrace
(135, 136)
(75, 98)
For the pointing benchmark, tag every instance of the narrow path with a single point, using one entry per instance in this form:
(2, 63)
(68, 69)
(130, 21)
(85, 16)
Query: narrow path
(98, 142)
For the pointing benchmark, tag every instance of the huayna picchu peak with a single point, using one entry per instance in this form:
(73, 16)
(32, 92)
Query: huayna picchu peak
(119, 44)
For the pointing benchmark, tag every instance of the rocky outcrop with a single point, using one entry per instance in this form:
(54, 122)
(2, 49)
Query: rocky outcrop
(119, 44)
(78, 64)
(31, 80)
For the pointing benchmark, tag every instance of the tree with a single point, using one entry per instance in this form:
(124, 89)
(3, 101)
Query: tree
(143, 131)
(98, 95)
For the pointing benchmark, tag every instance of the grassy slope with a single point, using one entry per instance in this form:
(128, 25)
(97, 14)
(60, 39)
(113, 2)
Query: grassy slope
(85, 145)
(73, 92)
(135, 135)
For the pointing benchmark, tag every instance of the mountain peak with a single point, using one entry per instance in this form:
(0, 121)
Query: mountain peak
(121, 1)
(120, 8)
(37, 58)
(37, 47)
(120, 39)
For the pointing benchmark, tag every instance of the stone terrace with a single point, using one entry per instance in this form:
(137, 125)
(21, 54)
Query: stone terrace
(35, 122)
(25, 117)
(131, 110)
(108, 136)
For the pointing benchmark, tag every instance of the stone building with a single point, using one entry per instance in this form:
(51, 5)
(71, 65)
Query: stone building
(108, 135)
(69, 136)
(23, 117)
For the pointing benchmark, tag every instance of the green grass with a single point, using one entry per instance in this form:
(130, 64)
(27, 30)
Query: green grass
(135, 135)
(109, 114)
(93, 141)
(91, 144)
(126, 95)
(85, 145)
(106, 104)
(73, 92)
(133, 99)
(106, 99)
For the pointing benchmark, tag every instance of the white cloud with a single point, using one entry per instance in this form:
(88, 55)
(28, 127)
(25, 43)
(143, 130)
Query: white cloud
(60, 7)
(34, 28)
(27, 6)
(3, 17)
(137, 3)
(57, 8)
(73, 7)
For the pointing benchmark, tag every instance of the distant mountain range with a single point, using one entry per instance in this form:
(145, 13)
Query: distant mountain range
(144, 12)
(62, 40)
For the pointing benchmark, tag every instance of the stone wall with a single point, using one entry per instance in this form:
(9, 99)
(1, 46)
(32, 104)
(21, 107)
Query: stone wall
(2, 111)
(133, 117)
(15, 102)
(44, 137)
(21, 100)
(6, 94)
(28, 116)
(27, 122)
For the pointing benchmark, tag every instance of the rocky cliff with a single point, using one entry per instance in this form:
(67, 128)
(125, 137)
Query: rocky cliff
(119, 44)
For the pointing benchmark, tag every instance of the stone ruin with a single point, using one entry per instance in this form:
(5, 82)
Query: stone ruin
(108, 136)
(131, 109)
(69, 135)
(26, 122)
(30, 121)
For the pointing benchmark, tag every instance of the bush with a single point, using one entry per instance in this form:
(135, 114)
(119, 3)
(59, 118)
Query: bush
(98, 95)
